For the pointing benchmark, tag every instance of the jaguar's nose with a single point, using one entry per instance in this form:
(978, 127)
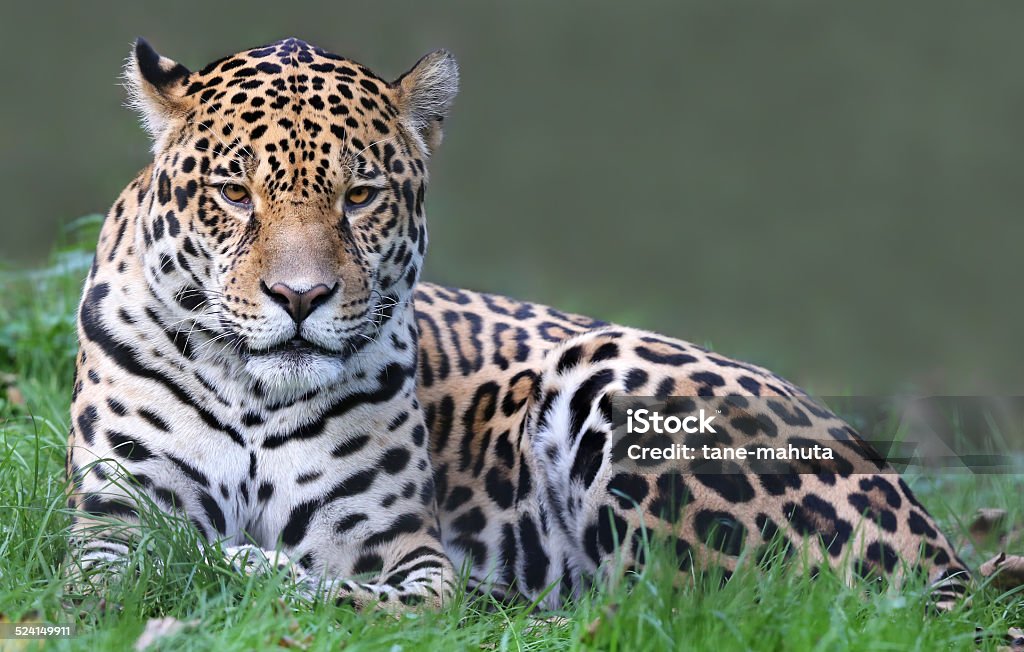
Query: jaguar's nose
(299, 304)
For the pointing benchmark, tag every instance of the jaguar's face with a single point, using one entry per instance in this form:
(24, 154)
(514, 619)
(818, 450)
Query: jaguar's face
(287, 214)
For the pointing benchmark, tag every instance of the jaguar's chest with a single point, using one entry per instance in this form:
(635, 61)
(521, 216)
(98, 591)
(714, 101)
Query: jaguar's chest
(249, 461)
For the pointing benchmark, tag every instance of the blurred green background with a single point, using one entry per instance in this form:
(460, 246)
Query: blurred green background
(833, 189)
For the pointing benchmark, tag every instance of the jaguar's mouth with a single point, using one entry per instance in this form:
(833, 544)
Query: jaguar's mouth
(294, 366)
(296, 346)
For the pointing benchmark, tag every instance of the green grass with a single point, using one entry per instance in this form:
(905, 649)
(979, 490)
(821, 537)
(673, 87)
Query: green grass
(774, 610)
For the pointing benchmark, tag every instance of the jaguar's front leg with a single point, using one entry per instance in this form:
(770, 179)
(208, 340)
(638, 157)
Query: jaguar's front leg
(253, 560)
(366, 529)
(410, 570)
(416, 573)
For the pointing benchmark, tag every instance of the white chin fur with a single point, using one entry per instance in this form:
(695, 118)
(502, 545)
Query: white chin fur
(290, 373)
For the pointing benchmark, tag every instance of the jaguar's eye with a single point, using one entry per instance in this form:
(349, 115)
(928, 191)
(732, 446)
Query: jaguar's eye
(360, 196)
(236, 194)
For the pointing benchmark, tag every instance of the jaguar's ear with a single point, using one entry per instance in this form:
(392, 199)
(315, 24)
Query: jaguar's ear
(425, 94)
(156, 88)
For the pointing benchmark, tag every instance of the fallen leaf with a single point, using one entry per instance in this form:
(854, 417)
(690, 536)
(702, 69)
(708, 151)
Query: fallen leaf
(606, 614)
(157, 628)
(14, 396)
(1013, 539)
(295, 644)
(988, 523)
(1006, 571)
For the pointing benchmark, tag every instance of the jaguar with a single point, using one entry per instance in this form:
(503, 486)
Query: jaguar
(259, 359)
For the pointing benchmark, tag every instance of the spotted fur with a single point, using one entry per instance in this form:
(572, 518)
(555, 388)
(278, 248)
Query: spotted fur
(275, 374)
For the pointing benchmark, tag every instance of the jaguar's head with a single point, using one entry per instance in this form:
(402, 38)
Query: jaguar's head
(286, 207)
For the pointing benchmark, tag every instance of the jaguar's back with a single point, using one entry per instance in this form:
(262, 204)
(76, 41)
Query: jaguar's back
(517, 400)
